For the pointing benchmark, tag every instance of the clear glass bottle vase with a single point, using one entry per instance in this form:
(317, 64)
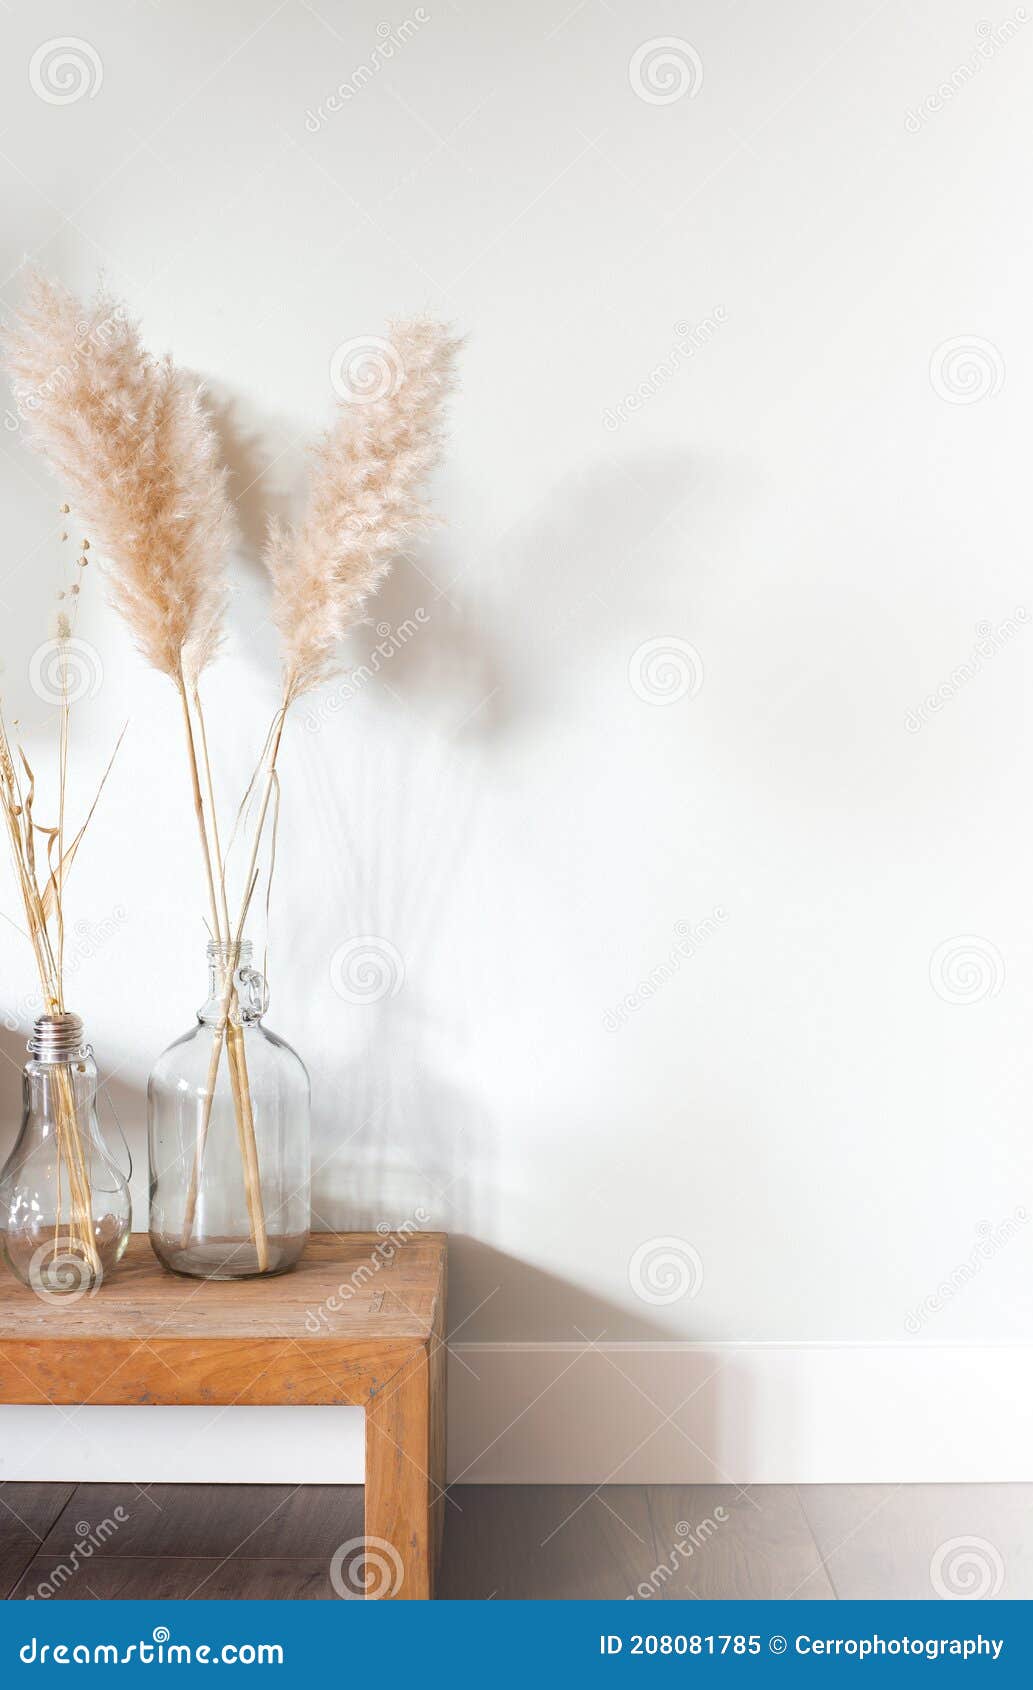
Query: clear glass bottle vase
(64, 1201)
(228, 1117)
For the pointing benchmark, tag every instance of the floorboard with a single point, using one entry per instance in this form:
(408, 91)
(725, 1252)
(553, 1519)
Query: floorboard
(909, 1542)
(516, 1543)
(29, 1510)
(556, 1542)
(718, 1541)
(182, 1578)
(27, 1513)
(204, 1521)
(14, 1558)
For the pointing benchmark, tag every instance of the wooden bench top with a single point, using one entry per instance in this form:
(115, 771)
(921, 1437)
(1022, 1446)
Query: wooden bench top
(355, 1285)
(360, 1320)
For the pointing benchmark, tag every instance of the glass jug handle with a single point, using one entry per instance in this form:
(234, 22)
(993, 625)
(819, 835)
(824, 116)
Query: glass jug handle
(121, 1134)
(252, 990)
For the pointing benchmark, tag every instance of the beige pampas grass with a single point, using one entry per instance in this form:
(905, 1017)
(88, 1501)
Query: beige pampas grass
(127, 434)
(364, 499)
(364, 503)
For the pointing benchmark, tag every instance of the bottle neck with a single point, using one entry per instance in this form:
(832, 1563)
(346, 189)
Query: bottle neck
(57, 1038)
(60, 1090)
(236, 990)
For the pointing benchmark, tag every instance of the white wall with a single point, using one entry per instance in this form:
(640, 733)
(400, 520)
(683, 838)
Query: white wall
(825, 502)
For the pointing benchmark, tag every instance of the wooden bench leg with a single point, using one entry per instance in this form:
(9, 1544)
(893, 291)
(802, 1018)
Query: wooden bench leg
(405, 1476)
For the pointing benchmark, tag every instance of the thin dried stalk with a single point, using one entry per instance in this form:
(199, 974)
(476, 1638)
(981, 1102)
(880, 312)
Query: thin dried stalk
(239, 1085)
(43, 904)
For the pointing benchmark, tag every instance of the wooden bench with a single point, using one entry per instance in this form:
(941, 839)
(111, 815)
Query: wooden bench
(360, 1321)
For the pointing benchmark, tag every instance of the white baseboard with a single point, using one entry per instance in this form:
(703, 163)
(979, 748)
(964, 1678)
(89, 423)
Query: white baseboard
(741, 1414)
(602, 1413)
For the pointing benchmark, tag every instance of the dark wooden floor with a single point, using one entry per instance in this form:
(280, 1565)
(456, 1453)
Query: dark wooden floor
(519, 1542)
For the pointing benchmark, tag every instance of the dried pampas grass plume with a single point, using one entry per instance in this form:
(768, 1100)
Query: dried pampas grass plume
(128, 434)
(364, 502)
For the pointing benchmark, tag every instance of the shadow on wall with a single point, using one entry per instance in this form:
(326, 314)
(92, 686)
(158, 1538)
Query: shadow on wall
(497, 1298)
(374, 927)
(373, 934)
